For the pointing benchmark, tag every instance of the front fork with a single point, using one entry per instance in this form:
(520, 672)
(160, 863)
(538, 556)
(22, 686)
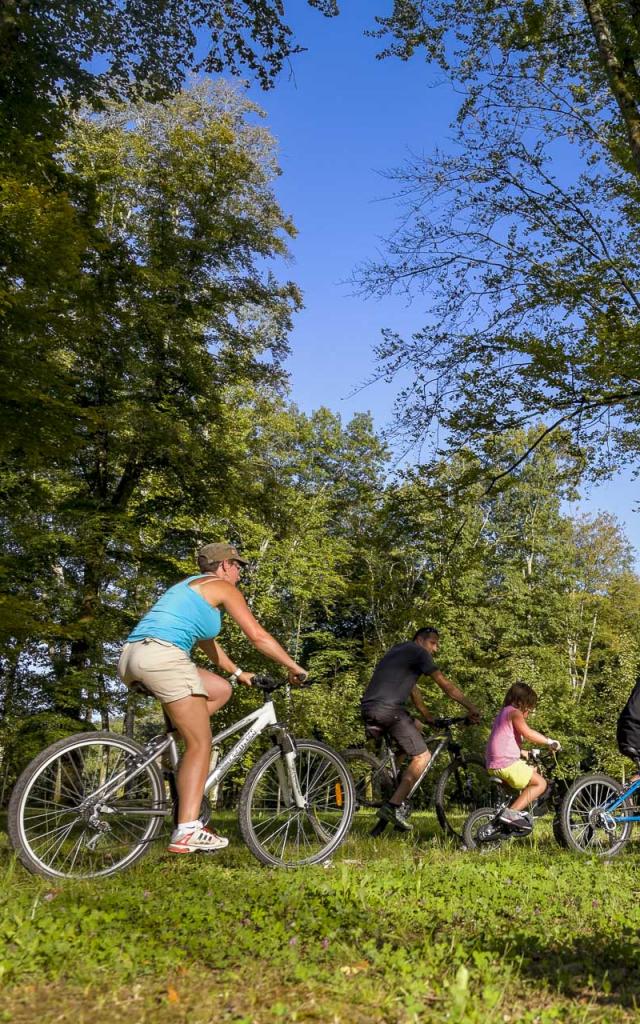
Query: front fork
(287, 770)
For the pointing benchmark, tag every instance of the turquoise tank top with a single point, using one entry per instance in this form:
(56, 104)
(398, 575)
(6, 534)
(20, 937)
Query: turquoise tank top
(181, 616)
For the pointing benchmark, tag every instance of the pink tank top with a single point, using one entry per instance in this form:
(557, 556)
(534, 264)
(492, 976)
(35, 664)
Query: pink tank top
(504, 745)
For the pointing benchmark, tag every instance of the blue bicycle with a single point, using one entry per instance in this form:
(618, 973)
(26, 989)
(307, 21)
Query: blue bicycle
(597, 814)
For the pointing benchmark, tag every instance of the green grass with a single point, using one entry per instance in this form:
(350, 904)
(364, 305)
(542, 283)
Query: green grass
(393, 930)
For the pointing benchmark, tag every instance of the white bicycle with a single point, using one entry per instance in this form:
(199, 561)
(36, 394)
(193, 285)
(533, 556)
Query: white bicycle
(92, 804)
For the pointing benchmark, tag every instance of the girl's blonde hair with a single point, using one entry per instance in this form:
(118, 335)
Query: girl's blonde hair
(521, 696)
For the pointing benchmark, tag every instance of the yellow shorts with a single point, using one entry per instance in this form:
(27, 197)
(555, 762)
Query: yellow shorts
(517, 775)
(166, 670)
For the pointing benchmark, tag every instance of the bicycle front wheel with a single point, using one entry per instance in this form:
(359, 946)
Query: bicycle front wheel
(83, 809)
(585, 820)
(464, 786)
(275, 829)
(479, 832)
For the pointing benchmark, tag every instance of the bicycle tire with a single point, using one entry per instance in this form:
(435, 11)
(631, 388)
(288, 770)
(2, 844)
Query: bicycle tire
(373, 783)
(50, 833)
(479, 818)
(456, 798)
(266, 816)
(584, 822)
(558, 834)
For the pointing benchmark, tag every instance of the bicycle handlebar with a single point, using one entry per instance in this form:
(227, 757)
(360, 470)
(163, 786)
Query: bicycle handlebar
(446, 723)
(544, 754)
(268, 684)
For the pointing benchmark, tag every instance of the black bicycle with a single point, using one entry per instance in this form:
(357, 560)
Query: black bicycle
(482, 829)
(463, 786)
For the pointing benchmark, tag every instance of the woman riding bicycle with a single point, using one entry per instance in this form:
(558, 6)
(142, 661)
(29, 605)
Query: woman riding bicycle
(157, 655)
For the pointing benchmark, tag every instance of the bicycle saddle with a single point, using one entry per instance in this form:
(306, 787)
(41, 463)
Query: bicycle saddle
(374, 732)
(631, 752)
(138, 687)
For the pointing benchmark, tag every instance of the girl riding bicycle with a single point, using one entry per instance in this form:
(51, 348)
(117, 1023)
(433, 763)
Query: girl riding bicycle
(503, 754)
(157, 655)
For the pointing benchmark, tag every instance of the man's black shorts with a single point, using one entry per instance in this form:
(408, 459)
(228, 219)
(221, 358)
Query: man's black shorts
(399, 724)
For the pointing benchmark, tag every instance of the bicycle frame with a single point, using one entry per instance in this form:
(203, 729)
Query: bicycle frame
(619, 800)
(443, 743)
(262, 719)
(258, 721)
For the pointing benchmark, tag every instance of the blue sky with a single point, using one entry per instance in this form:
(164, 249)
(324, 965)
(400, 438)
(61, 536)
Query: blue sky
(341, 118)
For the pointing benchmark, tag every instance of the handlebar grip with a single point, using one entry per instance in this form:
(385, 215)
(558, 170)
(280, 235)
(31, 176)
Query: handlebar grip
(446, 723)
(266, 683)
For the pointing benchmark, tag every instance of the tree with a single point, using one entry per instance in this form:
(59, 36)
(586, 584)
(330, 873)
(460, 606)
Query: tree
(56, 57)
(176, 315)
(529, 272)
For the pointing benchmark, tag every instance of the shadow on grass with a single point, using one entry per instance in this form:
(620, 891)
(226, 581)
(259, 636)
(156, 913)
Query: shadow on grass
(602, 972)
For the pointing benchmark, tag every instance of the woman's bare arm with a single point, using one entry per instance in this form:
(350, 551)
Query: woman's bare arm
(219, 657)
(234, 604)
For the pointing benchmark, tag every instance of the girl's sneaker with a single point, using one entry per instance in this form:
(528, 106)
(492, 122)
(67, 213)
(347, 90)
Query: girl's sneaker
(516, 821)
(203, 840)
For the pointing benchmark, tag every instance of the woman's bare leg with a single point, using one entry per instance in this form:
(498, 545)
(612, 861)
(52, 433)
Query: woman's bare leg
(218, 690)
(191, 718)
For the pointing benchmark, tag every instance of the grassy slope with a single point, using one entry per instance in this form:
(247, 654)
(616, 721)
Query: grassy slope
(393, 930)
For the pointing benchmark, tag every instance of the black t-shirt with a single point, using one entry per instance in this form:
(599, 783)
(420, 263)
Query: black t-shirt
(631, 711)
(397, 673)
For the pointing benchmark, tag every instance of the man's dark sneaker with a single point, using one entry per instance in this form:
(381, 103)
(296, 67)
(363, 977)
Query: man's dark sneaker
(519, 822)
(395, 815)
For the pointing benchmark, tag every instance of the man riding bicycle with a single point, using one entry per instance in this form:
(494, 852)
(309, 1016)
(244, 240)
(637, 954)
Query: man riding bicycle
(394, 680)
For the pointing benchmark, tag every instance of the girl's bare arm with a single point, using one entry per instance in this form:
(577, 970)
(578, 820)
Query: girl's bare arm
(530, 735)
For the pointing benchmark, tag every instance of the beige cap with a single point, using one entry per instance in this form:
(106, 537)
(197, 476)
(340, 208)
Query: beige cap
(221, 552)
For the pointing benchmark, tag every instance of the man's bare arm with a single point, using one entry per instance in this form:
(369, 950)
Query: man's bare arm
(456, 694)
(420, 705)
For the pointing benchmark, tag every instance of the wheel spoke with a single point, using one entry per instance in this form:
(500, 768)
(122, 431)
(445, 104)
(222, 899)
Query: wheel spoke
(287, 834)
(589, 825)
(60, 832)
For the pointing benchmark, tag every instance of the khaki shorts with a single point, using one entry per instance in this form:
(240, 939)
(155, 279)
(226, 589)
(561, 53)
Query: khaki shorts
(166, 670)
(517, 775)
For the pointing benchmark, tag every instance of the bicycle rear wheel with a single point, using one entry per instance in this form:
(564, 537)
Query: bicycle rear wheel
(372, 781)
(464, 786)
(277, 831)
(586, 823)
(78, 811)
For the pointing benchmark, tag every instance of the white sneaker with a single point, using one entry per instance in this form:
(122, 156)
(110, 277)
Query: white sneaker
(201, 839)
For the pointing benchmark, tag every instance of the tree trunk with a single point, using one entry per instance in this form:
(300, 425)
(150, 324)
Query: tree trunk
(86, 650)
(130, 716)
(622, 75)
(9, 681)
(588, 657)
